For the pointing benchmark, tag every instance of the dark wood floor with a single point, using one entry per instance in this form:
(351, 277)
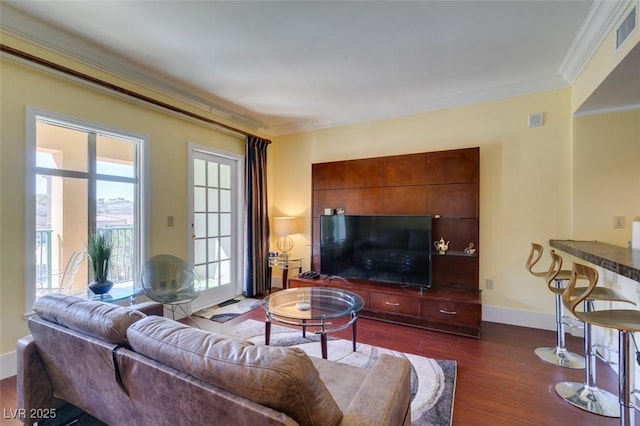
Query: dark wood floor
(500, 380)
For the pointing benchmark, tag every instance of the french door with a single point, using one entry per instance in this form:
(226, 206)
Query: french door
(215, 246)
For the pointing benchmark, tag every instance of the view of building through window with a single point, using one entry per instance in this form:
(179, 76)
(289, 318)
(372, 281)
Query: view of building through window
(85, 180)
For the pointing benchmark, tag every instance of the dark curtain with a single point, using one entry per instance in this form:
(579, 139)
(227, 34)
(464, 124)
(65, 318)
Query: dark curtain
(257, 217)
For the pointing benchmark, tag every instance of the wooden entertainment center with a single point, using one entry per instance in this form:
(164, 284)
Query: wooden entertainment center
(443, 184)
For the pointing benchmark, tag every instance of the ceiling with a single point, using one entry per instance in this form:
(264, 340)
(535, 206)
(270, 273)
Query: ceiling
(288, 66)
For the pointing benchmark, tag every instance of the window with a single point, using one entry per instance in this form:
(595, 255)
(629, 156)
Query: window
(85, 178)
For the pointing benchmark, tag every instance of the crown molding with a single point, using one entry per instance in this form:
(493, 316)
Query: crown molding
(621, 108)
(599, 22)
(45, 36)
(455, 100)
(601, 18)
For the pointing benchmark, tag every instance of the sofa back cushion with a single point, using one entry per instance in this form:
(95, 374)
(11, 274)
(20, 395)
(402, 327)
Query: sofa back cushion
(103, 321)
(281, 378)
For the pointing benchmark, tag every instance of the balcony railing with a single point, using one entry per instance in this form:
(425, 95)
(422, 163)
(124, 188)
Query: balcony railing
(121, 269)
(43, 258)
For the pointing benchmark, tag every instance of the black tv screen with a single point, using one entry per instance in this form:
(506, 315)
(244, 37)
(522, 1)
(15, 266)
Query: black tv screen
(393, 249)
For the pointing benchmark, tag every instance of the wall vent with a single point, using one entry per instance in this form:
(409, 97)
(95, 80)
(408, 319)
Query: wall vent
(626, 27)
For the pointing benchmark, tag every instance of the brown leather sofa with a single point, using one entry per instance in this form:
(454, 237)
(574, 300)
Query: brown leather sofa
(124, 367)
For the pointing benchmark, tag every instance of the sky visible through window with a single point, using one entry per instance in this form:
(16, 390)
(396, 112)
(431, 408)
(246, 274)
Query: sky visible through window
(107, 190)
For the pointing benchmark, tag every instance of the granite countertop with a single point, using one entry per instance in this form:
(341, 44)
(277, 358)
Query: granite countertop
(622, 261)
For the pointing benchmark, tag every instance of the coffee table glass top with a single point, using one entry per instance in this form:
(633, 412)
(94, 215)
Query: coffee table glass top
(313, 303)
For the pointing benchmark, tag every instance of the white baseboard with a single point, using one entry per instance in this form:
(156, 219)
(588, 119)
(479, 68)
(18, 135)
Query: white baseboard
(524, 318)
(518, 317)
(8, 365)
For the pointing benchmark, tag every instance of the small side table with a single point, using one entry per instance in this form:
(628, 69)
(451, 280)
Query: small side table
(284, 263)
(119, 292)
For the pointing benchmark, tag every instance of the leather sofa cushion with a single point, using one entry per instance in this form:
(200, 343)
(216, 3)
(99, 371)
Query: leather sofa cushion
(103, 321)
(284, 379)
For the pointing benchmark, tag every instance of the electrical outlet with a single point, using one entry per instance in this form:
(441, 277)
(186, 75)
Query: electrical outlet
(489, 284)
(618, 221)
(169, 220)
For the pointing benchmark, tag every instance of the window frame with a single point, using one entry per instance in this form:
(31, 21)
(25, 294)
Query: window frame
(32, 116)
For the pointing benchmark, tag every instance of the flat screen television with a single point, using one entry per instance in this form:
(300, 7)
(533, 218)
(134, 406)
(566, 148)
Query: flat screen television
(391, 249)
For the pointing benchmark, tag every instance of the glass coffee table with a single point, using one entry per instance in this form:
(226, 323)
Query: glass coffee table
(313, 307)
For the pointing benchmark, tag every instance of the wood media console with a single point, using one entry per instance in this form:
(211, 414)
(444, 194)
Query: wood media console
(442, 184)
(445, 309)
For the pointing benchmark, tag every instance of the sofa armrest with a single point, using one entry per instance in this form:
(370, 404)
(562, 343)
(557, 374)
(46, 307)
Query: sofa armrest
(149, 308)
(384, 397)
(34, 390)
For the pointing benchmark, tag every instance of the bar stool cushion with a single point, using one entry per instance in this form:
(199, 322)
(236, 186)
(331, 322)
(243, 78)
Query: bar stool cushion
(619, 319)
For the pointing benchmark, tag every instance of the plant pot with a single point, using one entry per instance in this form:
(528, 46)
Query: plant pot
(100, 287)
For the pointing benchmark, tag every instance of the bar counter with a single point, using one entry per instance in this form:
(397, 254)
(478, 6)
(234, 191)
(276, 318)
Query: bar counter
(622, 261)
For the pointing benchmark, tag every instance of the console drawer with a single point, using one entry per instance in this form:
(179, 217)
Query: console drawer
(385, 302)
(447, 311)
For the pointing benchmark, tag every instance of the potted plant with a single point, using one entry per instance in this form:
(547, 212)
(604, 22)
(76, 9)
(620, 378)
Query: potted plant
(99, 250)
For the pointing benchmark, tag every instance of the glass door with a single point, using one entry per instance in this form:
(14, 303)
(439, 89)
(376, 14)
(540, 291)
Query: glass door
(215, 235)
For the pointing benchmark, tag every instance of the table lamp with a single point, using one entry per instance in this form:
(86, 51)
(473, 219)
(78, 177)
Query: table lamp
(283, 227)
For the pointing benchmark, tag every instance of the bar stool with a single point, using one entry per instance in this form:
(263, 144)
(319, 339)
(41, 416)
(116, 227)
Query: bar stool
(586, 395)
(554, 277)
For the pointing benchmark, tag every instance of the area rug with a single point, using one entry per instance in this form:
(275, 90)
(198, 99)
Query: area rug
(228, 309)
(432, 381)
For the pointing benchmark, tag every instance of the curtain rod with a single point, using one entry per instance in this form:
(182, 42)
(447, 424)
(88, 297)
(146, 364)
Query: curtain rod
(116, 88)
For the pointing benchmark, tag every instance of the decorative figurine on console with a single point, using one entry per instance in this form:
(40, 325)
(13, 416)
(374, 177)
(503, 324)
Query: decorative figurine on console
(442, 246)
(470, 250)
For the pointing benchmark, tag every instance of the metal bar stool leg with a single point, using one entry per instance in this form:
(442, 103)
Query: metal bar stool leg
(587, 395)
(626, 378)
(560, 355)
(626, 321)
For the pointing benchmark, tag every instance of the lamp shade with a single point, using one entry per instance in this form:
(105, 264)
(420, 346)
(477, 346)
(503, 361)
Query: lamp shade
(284, 226)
